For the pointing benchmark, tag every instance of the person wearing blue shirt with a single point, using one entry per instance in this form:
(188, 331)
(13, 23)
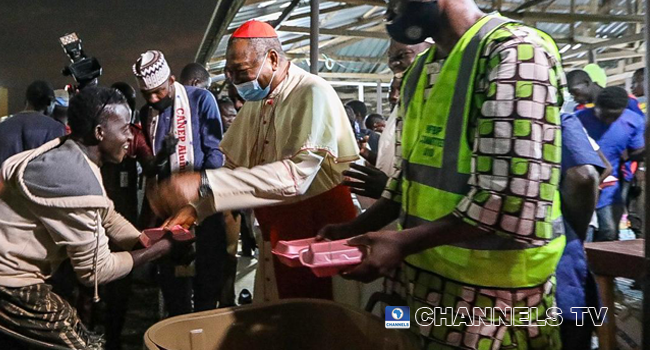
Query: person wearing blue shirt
(191, 115)
(208, 130)
(617, 131)
(32, 127)
(584, 89)
(585, 92)
(636, 199)
(581, 164)
(628, 168)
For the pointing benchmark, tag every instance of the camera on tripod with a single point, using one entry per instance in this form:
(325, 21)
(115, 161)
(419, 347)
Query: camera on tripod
(85, 70)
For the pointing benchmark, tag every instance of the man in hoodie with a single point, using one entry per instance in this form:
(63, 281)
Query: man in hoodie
(54, 207)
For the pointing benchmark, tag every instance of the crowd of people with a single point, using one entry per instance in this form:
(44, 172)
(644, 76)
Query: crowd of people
(483, 182)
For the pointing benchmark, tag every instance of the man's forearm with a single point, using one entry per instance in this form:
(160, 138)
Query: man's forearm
(579, 197)
(446, 230)
(637, 155)
(263, 185)
(119, 230)
(156, 251)
(380, 214)
(608, 167)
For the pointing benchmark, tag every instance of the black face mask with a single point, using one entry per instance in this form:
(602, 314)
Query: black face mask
(162, 104)
(416, 22)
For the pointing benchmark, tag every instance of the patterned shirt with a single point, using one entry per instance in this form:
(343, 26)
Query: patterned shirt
(515, 128)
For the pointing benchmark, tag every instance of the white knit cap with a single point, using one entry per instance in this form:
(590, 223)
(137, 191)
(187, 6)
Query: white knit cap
(151, 70)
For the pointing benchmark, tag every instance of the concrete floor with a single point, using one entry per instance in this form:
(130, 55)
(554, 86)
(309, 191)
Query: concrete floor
(246, 268)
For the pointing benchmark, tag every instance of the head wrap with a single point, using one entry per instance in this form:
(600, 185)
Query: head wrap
(151, 70)
(255, 29)
(596, 74)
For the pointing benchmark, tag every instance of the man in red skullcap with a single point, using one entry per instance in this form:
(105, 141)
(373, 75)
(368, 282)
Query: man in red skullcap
(286, 152)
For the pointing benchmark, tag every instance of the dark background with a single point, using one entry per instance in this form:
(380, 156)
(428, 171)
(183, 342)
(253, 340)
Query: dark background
(114, 31)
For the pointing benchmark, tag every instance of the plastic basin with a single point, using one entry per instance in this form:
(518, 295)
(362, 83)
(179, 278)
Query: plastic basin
(292, 324)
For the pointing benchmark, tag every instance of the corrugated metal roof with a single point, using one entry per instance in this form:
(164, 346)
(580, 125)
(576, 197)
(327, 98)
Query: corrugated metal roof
(373, 50)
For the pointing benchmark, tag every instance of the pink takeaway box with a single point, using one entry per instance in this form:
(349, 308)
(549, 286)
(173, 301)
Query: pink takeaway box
(325, 259)
(288, 252)
(153, 235)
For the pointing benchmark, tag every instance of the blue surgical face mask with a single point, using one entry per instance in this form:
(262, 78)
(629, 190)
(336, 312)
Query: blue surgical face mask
(251, 90)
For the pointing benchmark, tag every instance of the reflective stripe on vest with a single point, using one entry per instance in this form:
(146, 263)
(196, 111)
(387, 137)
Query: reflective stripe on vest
(436, 171)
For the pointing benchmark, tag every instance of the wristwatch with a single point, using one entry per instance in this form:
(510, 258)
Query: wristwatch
(204, 187)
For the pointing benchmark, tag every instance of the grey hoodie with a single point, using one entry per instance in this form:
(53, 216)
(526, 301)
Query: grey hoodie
(53, 206)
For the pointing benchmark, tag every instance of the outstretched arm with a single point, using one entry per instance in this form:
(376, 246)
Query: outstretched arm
(156, 251)
(240, 188)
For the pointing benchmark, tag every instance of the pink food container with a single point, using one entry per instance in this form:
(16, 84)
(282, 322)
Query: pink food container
(181, 234)
(155, 234)
(151, 236)
(328, 258)
(288, 252)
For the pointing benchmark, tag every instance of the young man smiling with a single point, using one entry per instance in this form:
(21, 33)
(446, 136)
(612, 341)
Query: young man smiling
(54, 207)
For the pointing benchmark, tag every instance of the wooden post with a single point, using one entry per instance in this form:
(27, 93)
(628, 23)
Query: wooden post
(607, 332)
(646, 268)
(379, 98)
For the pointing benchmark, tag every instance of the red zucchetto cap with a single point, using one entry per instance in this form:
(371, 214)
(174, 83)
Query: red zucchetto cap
(255, 29)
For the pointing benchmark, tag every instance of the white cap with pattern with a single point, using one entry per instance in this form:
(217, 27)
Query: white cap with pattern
(151, 70)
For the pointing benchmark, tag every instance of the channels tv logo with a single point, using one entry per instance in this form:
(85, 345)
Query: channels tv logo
(398, 317)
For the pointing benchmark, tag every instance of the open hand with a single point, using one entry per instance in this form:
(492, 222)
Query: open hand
(185, 217)
(371, 181)
(383, 253)
(169, 145)
(169, 196)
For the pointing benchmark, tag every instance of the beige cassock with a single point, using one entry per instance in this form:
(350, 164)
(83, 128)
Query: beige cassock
(293, 145)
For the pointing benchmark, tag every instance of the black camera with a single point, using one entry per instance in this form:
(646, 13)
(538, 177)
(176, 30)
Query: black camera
(85, 70)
